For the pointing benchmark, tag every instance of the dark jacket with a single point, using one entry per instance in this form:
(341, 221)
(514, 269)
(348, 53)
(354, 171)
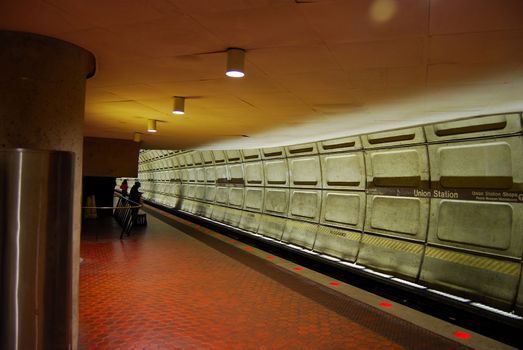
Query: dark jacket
(134, 195)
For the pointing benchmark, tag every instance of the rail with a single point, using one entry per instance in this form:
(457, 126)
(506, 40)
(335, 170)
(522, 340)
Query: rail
(125, 212)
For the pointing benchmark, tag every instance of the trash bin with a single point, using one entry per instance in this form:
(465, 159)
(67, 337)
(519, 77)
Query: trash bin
(36, 226)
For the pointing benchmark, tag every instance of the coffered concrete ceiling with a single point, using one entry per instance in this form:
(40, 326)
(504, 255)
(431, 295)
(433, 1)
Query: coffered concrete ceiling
(315, 69)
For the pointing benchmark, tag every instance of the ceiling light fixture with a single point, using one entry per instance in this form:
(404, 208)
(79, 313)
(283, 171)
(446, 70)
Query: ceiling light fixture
(235, 62)
(179, 105)
(137, 137)
(151, 125)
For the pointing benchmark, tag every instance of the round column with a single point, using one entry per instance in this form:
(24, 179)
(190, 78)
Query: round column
(42, 97)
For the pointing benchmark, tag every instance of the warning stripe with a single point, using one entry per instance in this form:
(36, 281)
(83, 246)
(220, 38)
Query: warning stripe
(479, 262)
(271, 226)
(338, 233)
(393, 244)
(302, 226)
(274, 219)
(232, 215)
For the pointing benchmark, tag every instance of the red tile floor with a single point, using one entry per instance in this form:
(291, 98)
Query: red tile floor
(162, 288)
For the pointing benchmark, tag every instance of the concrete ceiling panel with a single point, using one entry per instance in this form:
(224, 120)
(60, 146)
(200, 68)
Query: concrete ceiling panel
(288, 60)
(260, 27)
(482, 47)
(469, 16)
(342, 21)
(380, 54)
(314, 69)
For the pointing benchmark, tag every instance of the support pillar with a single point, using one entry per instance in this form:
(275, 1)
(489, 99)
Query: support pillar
(42, 97)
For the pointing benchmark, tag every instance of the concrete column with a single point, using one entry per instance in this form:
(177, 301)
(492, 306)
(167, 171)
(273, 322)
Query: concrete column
(42, 97)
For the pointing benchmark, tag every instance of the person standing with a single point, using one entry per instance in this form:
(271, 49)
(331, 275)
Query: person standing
(124, 186)
(135, 197)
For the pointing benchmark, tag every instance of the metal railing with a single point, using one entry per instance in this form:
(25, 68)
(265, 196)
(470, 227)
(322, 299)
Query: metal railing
(125, 212)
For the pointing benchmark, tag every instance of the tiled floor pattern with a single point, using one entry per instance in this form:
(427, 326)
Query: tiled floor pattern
(164, 289)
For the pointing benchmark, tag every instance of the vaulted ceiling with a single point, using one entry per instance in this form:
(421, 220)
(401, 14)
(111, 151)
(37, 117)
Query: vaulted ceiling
(315, 69)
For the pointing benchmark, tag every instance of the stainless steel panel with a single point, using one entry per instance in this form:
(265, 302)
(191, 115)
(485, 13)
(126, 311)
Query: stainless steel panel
(343, 244)
(36, 220)
(474, 127)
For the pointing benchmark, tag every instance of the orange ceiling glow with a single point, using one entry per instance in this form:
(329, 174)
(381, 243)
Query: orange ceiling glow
(314, 69)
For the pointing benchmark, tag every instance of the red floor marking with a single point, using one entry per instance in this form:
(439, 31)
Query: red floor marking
(334, 283)
(134, 296)
(298, 268)
(232, 241)
(385, 304)
(248, 248)
(270, 257)
(462, 335)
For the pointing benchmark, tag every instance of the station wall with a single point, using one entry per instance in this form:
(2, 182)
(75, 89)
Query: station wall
(440, 205)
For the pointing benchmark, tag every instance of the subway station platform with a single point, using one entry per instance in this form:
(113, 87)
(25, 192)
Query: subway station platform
(174, 284)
